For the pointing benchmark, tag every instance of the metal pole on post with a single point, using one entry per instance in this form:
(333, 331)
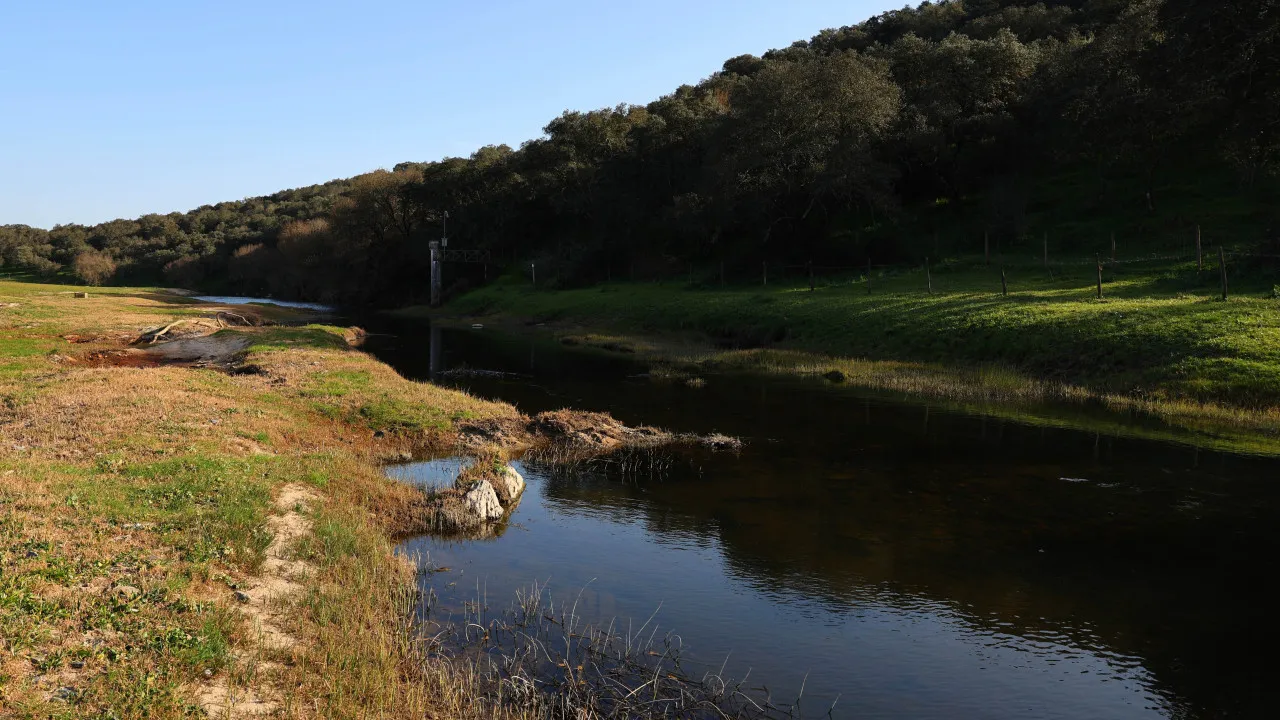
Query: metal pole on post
(437, 262)
(435, 274)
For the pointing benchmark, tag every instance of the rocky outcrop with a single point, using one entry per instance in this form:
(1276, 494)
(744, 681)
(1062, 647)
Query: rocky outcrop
(482, 502)
(508, 485)
(482, 496)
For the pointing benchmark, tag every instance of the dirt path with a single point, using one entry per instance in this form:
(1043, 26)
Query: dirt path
(247, 690)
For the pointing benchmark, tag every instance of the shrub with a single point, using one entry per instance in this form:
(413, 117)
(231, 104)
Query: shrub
(93, 267)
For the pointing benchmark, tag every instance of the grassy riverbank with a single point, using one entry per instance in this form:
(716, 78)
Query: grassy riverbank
(1161, 341)
(177, 539)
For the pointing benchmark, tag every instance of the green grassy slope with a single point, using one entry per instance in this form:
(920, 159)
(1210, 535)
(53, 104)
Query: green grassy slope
(1161, 331)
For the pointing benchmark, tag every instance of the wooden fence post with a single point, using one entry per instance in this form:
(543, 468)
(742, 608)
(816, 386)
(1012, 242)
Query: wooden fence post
(1222, 264)
(1199, 252)
(928, 276)
(1004, 283)
(1099, 278)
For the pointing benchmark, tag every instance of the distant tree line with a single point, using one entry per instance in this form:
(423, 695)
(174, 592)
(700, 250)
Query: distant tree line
(839, 148)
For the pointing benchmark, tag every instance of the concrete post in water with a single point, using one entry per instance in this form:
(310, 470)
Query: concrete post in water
(1099, 278)
(1222, 265)
(434, 352)
(1004, 283)
(435, 273)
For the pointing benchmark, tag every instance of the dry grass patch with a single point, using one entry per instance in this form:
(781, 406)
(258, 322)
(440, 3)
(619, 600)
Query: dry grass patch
(135, 503)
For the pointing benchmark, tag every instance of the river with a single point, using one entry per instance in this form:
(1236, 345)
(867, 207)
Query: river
(893, 557)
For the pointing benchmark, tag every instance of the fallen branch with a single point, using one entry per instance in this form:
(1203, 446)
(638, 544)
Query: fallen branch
(243, 320)
(152, 336)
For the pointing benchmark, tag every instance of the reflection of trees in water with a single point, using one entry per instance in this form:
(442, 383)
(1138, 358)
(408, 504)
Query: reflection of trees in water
(840, 500)
(1160, 566)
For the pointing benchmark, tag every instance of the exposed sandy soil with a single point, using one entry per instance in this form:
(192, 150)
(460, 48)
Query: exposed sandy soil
(264, 602)
(219, 350)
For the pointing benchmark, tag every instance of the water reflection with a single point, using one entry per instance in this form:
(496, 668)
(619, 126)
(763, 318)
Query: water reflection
(916, 562)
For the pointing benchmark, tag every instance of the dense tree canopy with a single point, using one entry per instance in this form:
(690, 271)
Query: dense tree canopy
(855, 143)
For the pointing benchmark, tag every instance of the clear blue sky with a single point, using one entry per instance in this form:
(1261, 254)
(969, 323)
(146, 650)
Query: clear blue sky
(115, 109)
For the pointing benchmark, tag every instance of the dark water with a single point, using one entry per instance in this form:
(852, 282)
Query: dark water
(909, 560)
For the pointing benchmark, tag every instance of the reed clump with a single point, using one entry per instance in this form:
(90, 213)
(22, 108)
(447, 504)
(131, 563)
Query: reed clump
(538, 658)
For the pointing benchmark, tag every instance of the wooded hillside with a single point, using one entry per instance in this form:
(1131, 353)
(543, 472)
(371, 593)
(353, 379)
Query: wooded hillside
(914, 133)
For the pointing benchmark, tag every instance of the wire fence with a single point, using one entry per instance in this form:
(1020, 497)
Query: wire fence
(1212, 266)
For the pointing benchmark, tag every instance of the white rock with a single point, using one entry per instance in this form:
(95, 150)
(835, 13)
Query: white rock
(508, 485)
(482, 502)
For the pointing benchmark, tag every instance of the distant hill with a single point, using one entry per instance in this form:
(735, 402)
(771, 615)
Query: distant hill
(916, 132)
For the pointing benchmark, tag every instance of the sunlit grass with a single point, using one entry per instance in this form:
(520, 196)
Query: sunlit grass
(1161, 341)
(133, 500)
